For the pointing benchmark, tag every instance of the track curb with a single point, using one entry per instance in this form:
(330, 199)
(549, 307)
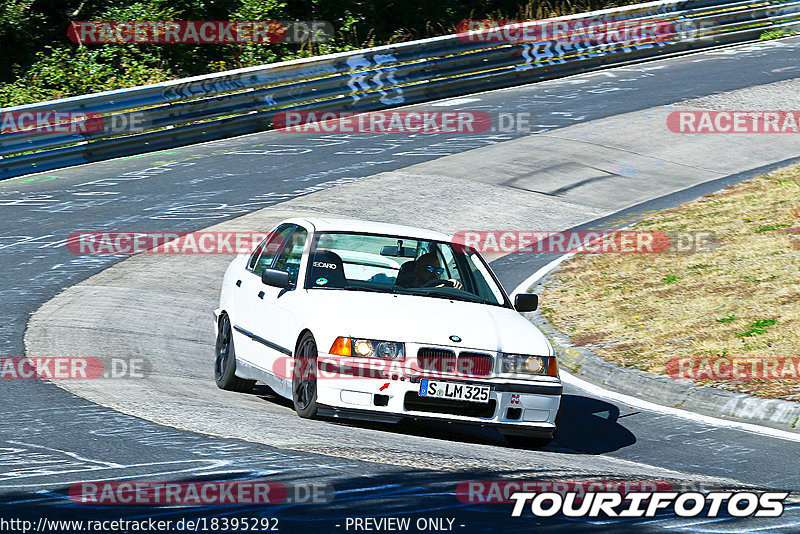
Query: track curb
(586, 364)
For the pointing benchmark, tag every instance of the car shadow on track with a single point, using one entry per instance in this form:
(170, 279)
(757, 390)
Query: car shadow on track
(586, 426)
(590, 426)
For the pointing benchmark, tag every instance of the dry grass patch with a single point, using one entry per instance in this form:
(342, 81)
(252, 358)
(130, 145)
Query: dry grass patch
(740, 301)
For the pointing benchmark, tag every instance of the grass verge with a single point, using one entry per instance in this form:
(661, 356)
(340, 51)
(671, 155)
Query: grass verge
(739, 302)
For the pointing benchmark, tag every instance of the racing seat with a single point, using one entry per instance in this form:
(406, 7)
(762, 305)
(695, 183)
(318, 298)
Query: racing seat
(327, 267)
(405, 276)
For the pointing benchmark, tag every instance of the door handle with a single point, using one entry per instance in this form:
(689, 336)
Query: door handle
(238, 283)
(261, 294)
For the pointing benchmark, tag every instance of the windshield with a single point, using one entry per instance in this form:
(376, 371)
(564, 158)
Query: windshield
(394, 264)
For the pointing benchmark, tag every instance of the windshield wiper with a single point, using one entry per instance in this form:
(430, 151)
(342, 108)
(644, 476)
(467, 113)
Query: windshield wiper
(399, 290)
(438, 295)
(359, 288)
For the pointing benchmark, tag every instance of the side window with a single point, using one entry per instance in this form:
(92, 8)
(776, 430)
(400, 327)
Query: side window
(266, 251)
(292, 253)
(450, 266)
(482, 278)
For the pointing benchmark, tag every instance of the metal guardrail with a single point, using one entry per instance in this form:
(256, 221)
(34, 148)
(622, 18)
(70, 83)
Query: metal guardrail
(216, 106)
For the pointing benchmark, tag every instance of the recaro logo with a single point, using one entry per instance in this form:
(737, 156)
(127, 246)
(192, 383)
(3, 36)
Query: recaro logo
(325, 265)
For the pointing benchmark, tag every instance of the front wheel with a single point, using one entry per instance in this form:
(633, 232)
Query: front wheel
(304, 381)
(225, 361)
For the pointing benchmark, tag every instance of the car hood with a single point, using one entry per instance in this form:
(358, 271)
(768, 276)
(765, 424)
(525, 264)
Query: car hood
(426, 320)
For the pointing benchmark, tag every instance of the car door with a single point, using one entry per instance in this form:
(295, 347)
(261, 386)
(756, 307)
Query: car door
(248, 285)
(273, 319)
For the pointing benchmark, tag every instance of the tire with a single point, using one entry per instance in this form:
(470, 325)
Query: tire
(304, 379)
(225, 361)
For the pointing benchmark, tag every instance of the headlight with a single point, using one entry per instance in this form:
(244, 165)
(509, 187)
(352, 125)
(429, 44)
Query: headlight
(520, 364)
(368, 348)
(373, 348)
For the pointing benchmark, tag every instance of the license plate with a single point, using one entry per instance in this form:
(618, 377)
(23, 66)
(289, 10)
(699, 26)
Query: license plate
(454, 391)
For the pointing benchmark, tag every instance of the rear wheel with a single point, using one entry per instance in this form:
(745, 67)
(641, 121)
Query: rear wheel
(225, 361)
(304, 381)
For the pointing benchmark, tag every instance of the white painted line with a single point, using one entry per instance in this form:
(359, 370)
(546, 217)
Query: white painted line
(677, 412)
(528, 282)
(210, 464)
(455, 102)
(599, 391)
(74, 455)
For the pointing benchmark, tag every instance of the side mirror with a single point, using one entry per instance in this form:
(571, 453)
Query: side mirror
(526, 302)
(275, 278)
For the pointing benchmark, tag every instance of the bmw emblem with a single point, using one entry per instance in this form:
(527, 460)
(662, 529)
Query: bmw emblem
(455, 339)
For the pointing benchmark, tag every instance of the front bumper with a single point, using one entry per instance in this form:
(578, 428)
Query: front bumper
(526, 407)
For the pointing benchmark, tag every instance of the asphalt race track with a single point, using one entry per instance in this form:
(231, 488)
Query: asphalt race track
(191, 188)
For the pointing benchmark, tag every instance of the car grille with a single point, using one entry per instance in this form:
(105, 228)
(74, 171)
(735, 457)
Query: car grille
(439, 360)
(474, 363)
(444, 361)
(414, 403)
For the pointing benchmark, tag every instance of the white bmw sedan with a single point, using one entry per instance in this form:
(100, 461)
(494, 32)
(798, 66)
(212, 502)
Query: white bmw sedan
(349, 318)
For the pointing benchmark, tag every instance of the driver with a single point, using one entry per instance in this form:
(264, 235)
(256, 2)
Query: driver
(427, 271)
